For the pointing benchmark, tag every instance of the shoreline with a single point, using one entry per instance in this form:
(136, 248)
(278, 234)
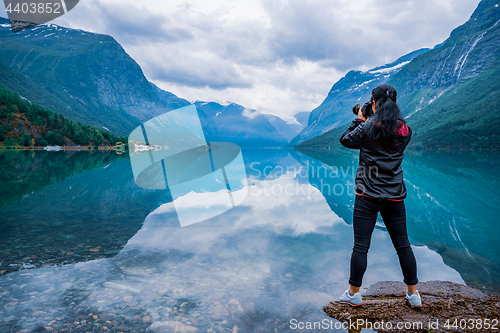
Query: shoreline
(446, 307)
(62, 148)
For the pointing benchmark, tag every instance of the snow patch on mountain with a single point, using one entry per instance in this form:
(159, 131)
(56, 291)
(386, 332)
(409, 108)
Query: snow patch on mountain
(389, 69)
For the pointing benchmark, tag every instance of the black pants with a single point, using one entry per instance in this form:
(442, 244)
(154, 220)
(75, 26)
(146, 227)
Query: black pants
(394, 216)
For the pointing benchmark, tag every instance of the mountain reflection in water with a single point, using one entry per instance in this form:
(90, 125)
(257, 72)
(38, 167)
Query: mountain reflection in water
(282, 254)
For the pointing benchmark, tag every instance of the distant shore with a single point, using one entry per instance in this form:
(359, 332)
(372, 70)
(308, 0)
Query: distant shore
(62, 148)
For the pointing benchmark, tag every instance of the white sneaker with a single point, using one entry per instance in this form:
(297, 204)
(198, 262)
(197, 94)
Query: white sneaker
(354, 300)
(414, 300)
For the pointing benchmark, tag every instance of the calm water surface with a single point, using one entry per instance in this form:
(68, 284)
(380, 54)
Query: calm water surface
(83, 248)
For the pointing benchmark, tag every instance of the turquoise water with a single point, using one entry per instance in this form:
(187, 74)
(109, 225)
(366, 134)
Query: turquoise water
(82, 247)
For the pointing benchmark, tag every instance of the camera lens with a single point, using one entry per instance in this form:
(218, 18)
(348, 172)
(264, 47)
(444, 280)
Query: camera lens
(356, 108)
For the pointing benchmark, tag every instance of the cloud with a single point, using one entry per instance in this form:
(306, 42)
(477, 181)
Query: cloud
(129, 23)
(283, 90)
(250, 114)
(192, 69)
(362, 34)
(137, 24)
(275, 56)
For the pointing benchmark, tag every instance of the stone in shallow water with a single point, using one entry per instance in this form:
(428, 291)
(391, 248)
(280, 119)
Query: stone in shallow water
(218, 311)
(128, 298)
(234, 306)
(121, 286)
(171, 326)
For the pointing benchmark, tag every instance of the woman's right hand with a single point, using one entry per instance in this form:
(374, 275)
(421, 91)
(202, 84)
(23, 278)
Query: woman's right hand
(360, 114)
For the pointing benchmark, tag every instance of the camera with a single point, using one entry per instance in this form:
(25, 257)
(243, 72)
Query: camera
(366, 109)
(356, 108)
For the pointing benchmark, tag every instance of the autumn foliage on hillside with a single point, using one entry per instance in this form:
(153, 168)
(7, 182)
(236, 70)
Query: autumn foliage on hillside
(26, 124)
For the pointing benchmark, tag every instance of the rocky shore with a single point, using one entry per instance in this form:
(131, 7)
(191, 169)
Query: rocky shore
(446, 307)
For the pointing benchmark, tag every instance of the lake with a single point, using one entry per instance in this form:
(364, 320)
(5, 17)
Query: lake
(83, 248)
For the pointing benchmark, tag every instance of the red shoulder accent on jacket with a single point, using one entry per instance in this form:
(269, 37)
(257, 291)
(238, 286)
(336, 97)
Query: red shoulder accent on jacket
(403, 129)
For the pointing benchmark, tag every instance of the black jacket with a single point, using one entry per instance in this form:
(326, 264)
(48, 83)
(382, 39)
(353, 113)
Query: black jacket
(379, 172)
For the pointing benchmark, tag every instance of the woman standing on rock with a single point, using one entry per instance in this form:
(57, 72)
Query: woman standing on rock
(379, 187)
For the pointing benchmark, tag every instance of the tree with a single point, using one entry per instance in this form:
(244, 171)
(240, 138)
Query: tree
(57, 126)
(54, 139)
(39, 121)
(98, 139)
(24, 140)
(80, 137)
(9, 142)
(41, 141)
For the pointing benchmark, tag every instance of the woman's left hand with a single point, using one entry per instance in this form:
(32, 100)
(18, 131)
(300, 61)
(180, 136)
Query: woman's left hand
(360, 115)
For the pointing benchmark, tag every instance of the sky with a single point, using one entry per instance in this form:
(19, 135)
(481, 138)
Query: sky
(276, 56)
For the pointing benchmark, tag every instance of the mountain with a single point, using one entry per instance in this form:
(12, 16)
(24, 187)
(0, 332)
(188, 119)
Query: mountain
(288, 131)
(234, 123)
(326, 140)
(19, 84)
(448, 95)
(292, 126)
(86, 77)
(354, 87)
(90, 79)
(169, 99)
(26, 124)
(302, 118)
(231, 122)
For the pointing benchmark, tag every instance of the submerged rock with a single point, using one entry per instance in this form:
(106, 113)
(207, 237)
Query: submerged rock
(171, 326)
(218, 311)
(446, 307)
(234, 307)
(121, 286)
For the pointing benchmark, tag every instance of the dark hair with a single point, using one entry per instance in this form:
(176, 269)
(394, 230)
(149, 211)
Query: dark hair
(387, 114)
